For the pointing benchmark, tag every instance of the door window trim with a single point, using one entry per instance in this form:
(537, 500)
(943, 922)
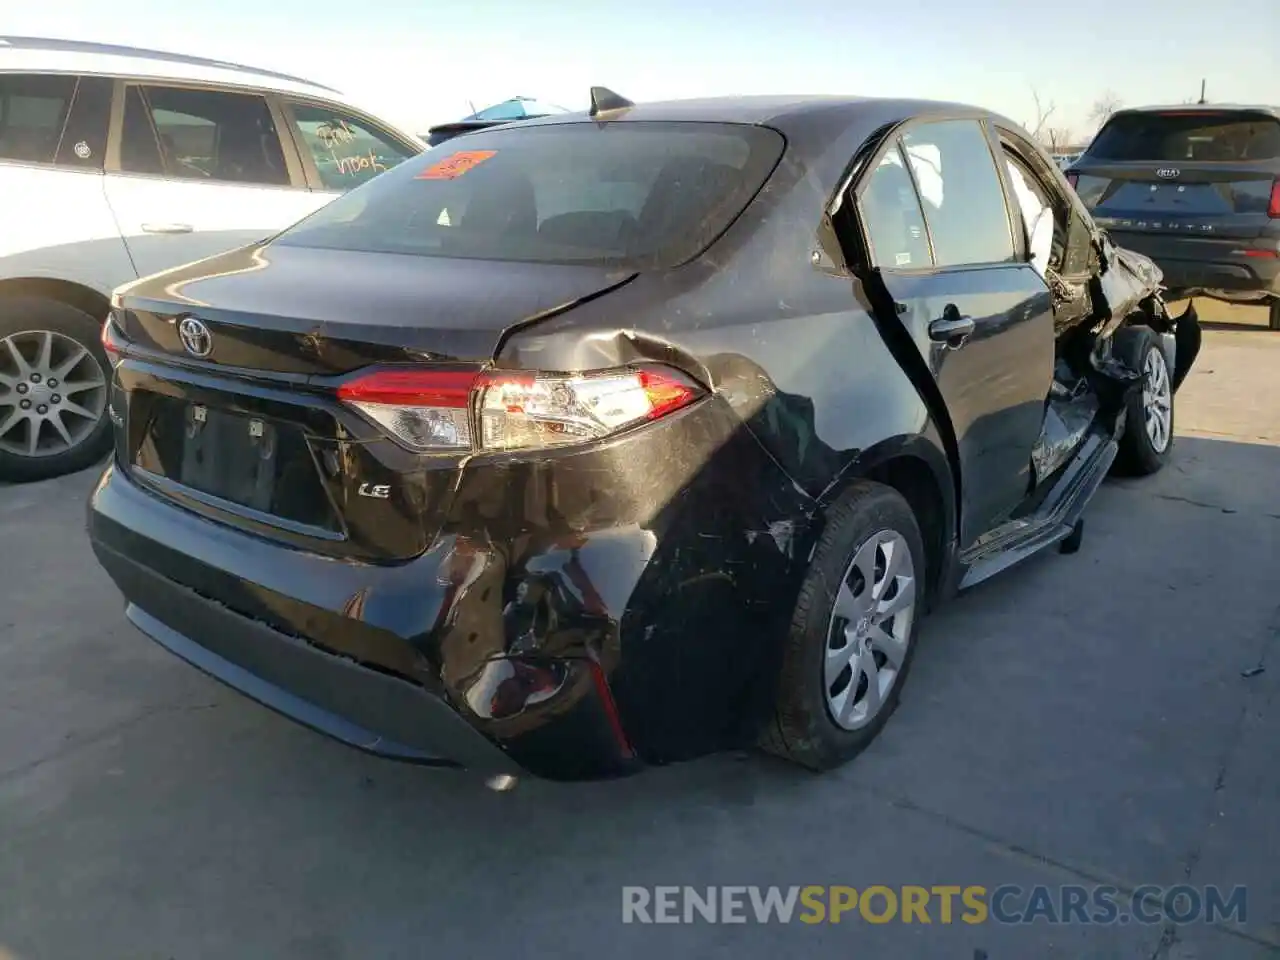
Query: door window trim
(115, 134)
(868, 244)
(1009, 157)
(1012, 209)
(893, 140)
(1051, 179)
(306, 160)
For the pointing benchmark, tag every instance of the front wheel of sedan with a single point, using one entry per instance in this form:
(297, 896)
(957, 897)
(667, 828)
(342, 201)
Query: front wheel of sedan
(1147, 440)
(853, 634)
(53, 389)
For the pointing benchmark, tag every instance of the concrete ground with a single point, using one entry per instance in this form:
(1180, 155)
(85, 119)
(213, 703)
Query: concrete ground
(1083, 719)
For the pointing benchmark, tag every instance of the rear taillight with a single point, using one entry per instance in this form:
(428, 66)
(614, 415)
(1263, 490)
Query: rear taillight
(112, 341)
(434, 410)
(1273, 208)
(544, 411)
(1072, 178)
(424, 410)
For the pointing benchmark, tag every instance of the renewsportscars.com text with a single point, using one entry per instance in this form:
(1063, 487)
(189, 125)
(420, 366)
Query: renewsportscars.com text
(1006, 904)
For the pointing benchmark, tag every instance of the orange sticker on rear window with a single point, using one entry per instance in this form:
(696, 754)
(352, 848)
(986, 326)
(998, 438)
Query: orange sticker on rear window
(455, 165)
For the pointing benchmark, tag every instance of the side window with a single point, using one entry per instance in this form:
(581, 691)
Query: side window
(890, 212)
(347, 151)
(33, 113)
(201, 135)
(963, 198)
(1045, 226)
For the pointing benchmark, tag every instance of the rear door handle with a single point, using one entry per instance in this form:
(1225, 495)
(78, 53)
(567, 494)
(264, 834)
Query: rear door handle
(951, 328)
(167, 228)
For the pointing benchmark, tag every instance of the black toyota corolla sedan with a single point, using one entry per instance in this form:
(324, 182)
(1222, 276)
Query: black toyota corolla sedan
(614, 439)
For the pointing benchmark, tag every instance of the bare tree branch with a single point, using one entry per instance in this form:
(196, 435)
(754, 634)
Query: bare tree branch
(1043, 113)
(1056, 139)
(1103, 108)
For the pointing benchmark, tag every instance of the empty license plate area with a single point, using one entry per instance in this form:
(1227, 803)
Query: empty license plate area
(258, 463)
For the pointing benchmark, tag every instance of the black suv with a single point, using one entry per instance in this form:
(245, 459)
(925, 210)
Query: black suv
(1197, 189)
(613, 439)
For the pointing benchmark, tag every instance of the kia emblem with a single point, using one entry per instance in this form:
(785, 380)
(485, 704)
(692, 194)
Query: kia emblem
(1167, 173)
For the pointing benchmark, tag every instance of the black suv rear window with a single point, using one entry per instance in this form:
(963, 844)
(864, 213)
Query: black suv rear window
(1188, 136)
(629, 194)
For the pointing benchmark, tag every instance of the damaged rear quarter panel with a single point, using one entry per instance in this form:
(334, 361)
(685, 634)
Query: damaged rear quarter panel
(1124, 281)
(621, 551)
(804, 395)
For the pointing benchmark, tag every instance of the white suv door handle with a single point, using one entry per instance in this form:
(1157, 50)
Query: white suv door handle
(167, 228)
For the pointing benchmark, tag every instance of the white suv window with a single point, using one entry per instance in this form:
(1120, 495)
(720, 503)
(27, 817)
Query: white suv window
(346, 150)
(192, 134)
(33, 112)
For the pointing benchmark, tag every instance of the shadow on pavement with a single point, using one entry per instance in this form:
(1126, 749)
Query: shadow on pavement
(1081, 719)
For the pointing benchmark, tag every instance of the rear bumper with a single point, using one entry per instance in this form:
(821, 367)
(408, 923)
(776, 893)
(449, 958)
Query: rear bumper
(1194, 264)
(364, 709)
(577, 614)
(257, 645)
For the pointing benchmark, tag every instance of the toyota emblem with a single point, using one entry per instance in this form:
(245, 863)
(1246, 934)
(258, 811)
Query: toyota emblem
(1167, 173)
(195, 337)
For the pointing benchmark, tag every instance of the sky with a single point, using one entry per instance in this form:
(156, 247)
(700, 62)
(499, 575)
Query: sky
(424, 62)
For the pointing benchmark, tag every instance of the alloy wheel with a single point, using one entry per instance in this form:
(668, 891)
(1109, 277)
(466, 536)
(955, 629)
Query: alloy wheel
(53, 392)
(1157, 400)
(870, 629)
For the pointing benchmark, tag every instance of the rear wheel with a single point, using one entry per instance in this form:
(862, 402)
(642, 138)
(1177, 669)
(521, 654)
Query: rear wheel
(53, 389)
(852, 637)
(1273, 318)
(1147, 441)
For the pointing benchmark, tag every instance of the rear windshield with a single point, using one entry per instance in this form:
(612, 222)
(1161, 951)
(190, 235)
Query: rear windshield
(1188, 136)
(630, 194)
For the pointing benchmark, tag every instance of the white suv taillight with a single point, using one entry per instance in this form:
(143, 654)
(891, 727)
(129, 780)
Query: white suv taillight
(112, 341)
(434, 410)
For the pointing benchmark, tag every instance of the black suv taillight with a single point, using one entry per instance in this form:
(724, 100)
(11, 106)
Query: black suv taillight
(1273, 208)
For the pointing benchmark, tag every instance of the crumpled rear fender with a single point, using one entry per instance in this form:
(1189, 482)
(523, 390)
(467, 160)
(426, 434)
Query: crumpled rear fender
(1180, 335)
(1186, 338)
(1125, 279)
(1128, 290)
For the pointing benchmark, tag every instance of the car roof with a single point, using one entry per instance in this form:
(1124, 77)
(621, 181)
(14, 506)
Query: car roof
(770, 110)
(1204, 108)
(44, 55)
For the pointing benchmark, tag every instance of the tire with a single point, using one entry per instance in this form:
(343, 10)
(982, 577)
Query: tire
(25, 324)
(805, 729)
(1273, 315)
(1141, 453)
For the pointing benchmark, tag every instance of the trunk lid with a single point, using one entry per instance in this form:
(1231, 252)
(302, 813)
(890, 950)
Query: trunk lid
(1201, 172)
(252, 433)
(300, 311)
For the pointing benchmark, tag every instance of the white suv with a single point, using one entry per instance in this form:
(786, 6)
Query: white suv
(116, 163)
